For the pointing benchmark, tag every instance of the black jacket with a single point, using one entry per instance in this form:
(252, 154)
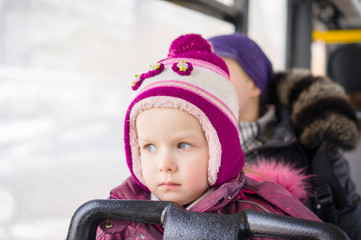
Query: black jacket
(316, 123)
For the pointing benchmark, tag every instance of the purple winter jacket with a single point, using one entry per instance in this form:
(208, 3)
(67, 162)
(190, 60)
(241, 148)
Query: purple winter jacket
(234, 196)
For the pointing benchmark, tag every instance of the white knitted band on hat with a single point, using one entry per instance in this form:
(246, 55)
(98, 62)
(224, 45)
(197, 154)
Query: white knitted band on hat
(206, 80)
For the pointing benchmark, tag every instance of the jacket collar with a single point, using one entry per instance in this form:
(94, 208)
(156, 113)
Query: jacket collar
(130, 190)
(220, 196)
(283, 134)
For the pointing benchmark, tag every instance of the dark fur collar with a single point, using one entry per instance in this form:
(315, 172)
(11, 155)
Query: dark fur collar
(322, 113)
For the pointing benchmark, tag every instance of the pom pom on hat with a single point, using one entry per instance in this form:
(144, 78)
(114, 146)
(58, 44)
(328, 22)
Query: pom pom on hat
(196, 47)
(189, 43)
(194, 79)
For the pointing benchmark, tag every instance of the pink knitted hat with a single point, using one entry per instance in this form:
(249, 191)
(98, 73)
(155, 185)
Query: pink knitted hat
(192, 78)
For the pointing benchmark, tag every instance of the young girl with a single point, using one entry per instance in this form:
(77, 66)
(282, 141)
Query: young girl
(182, 144)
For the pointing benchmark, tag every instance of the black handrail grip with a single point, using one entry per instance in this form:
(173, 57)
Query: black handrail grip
(88, 216)
(270, 225)
(185, 225)
(182, 224)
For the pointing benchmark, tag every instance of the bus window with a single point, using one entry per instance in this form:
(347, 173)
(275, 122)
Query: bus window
(66, 69)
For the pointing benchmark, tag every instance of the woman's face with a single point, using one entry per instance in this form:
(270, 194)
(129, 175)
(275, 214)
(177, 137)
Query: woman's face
(247, 91)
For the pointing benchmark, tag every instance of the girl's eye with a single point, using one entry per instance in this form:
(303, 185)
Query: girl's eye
(184, 145)
(150, 147)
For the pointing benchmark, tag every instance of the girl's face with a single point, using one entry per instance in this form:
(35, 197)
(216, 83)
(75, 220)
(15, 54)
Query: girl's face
(174, 154)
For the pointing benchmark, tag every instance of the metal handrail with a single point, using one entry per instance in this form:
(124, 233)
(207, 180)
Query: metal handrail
(182, 224)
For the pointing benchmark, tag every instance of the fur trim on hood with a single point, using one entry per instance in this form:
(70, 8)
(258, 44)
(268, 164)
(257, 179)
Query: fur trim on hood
(284, 174)
(322, 113)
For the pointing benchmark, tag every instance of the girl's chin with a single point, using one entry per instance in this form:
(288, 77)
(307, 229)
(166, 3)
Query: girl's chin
(175, 200)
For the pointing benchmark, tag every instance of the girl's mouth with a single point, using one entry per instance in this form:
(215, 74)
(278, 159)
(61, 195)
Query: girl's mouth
(169, 185)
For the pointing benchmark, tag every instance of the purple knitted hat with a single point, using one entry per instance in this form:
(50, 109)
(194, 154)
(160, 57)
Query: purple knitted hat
(192, 78)
(248, 54)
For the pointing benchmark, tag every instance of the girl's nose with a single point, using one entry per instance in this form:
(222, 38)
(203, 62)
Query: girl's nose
(166, 162)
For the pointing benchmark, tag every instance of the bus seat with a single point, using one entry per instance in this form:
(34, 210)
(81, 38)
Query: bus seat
(344, 67)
